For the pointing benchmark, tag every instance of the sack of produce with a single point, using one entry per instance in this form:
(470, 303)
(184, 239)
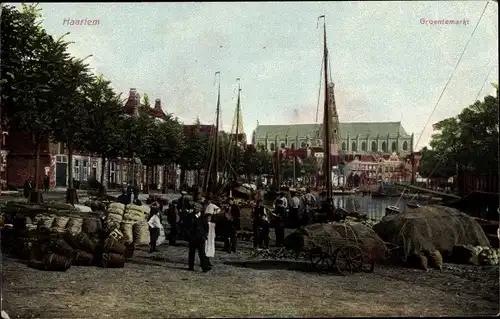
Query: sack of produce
(133, 215)
(114, 217)
(488, 257)
(46, 221)
(60, 222)
(75, 225)
(119, 206)
(91, 225)
(114, 210)
(141, 233)
(127, 229)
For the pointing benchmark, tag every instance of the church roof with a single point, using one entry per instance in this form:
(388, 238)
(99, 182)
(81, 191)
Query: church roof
(351, 128)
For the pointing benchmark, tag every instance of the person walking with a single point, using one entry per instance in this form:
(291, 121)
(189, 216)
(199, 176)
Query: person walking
(280, 206)
(154, 226)
(198, 235)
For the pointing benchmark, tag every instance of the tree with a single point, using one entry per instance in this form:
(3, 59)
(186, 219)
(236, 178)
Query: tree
(106, 120)
(195, 154)
(31, 63)
(468, 141)
(68, 117)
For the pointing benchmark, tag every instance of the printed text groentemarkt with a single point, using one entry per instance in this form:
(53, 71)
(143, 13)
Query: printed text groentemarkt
(80, 22)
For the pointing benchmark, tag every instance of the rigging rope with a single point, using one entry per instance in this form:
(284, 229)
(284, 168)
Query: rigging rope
(440, 159)
(320, 81)
(447, 83)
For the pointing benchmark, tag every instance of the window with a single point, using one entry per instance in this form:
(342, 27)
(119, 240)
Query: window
(343, 146)
(393, 147)
(303, 145)
(272, 147)
(293, 146)
(384, 147)
(283, 145)
(363, 146)
(353, 147)
(374, 146)
(405, 146)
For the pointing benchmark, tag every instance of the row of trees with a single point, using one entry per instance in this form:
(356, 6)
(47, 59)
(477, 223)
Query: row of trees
(468, 141)
(52, 95)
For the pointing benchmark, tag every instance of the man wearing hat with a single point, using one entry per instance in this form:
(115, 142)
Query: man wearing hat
(280, 206)
(183, 205)
(232, 225)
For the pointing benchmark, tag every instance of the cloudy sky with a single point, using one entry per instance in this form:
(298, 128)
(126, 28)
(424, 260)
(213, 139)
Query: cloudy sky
(386, 64)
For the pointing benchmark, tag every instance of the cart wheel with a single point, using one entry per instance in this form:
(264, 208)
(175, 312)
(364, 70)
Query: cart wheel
(348, 260)
(320, 261)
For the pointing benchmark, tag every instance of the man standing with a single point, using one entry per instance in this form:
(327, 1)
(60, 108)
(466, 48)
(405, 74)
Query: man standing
(173, 220)
(294, 210)
(28, 187)
(198, 234)
(154, 226)
(280, 206)
(46, 183)
(260, 226)
(232, 221)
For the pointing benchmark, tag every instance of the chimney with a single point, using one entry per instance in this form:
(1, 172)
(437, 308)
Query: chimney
(132, 102)
(157, 104)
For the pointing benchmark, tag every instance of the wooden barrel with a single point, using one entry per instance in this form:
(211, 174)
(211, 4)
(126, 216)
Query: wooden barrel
(61, 247)
(110, 260)
(91, 225)
(56, 262)
(82, 258)
(112, 245)
(129, 250)
(85, 243)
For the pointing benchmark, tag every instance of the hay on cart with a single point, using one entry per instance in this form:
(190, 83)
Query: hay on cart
(329, 237)
(430, 228)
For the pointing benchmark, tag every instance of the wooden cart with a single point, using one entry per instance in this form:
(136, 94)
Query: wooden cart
(347, 256)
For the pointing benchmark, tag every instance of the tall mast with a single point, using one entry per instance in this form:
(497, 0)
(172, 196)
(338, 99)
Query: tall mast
(215, 150)
(326, 122)
(238, 111)
(278, 164)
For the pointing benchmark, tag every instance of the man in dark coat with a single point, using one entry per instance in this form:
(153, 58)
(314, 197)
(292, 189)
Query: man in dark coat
(28, 187)
(173, 220)
(46, 183)
(280, 207)
(260, 226)
(198, 234)
(232, 225)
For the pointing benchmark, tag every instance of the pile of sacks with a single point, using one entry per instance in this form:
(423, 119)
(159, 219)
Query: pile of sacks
(131, 220)
(56, 236)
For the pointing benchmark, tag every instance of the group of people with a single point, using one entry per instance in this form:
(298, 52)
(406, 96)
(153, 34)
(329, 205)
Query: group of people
(196, 222)
(29, 185)
(286, 215)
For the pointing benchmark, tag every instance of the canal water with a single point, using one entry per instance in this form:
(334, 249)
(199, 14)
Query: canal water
(373, 207)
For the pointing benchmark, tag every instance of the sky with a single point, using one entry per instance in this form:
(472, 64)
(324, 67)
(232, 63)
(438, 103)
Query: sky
(386, 62)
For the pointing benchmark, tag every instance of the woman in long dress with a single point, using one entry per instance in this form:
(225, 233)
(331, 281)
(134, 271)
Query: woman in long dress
(211, 210)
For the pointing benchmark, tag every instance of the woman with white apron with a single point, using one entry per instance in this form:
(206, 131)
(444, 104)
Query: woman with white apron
(211, 210)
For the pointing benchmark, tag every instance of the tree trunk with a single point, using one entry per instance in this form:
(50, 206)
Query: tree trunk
(71, 196)
(103, 169)
(146, 182)
(36, 195)
(165, 180)
(183, 177)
